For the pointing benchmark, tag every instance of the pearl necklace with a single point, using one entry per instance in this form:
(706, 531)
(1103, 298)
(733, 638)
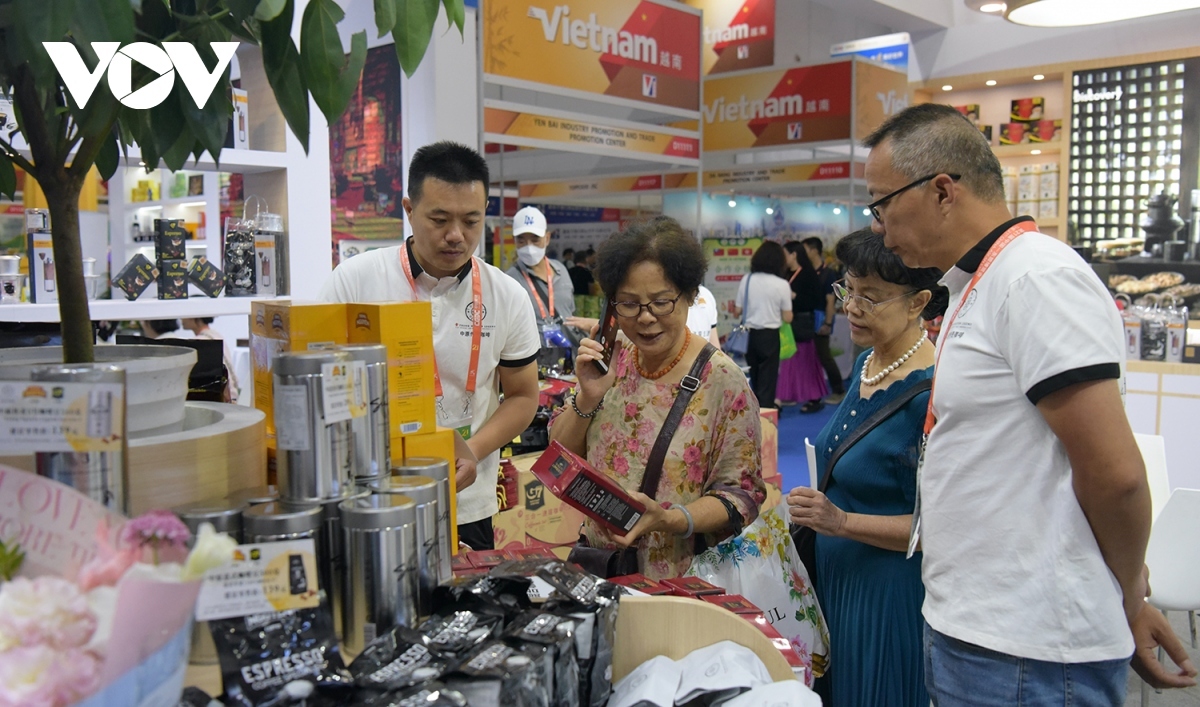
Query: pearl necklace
(875, 379)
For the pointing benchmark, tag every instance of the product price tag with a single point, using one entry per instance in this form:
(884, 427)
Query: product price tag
(291, 418)
(261, 578)
(61, 417)
(344, 390)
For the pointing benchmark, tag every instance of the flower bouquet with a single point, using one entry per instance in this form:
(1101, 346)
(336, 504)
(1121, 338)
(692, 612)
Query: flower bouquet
(94, 609)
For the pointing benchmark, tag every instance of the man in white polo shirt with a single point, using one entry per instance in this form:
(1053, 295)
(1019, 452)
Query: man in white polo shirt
(1033, 509)
(447, 197)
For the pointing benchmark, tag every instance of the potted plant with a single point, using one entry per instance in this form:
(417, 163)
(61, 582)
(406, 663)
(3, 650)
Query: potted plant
(66, 136)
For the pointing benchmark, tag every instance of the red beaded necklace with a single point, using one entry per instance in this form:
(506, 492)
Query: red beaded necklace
(637, 362)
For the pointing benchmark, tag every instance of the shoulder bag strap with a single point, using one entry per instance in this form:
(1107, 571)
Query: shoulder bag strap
(871, 423)
(746, 300)
(658, 453)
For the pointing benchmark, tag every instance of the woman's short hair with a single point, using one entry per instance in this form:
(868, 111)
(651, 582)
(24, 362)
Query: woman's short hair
(768, 258)
(797, 249)
(864, 254)
(659, 240)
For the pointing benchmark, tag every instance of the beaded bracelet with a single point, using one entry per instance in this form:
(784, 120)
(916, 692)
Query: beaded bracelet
(590, 415)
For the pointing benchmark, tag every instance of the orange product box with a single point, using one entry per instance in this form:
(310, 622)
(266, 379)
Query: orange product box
(576, 483)
(439, 444)
(406, 328)
(277, 326)
(736, 603)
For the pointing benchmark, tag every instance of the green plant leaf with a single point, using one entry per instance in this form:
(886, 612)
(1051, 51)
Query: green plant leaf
(281, 60)
(413, 28)
(108, 158)
(176, 156)
(331, 75)
(167, 120)
(102, 21)
(456, 13)
(8, 177)
(207, 125)
(385, 16)
(242, 9)
(268, 10)
(34, 22)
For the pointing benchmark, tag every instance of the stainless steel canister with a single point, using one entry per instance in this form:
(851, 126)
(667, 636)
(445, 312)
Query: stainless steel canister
(101, 476)
(225, 517)
(439, 470)
(381, 567)
(273, 522)
(329, 545)
(423, 491)
(254, 496)
(314, 458)
(372, 436)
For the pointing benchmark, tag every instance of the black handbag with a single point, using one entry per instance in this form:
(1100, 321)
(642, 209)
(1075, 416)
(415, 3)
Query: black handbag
(607, 563)
(805, 538)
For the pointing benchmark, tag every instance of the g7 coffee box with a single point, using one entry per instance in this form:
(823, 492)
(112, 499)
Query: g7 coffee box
(691, 587)
(573, 480)
(643, 584)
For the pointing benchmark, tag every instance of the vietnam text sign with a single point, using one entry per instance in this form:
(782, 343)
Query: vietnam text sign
(777, 107)
(533, 130)
(641, 50)
(603, 185)
(738, 34)
(775, 175)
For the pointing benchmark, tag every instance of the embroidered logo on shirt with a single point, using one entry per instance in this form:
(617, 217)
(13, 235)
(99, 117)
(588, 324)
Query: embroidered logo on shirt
(971, 297)
(470, 311)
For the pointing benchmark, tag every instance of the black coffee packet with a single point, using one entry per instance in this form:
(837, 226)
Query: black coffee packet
(595, 636)
(499, 674)
(431, 694)
(206, 276)
(170, 239)
(460, 632)
(262, 653)
(556, 635)
(172, 279)
(509, 595)
(571, 582)
(195, 697)
(135, 277)
(521, 568)
(397, 659)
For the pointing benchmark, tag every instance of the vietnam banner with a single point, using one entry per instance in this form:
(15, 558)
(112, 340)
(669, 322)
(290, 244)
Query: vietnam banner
(639, 50)
(738, 34)
(774, 175)
(777, 107)
(605, 185)
(511, 127)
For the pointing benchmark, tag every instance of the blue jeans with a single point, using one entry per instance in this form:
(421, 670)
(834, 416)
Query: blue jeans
(960, 673)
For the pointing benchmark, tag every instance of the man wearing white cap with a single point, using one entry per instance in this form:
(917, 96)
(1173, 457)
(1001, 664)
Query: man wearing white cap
(546, 281)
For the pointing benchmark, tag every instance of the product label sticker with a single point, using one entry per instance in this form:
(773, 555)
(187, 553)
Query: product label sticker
(291, 418)
(344, 391)
(50, 416)
(261, 578)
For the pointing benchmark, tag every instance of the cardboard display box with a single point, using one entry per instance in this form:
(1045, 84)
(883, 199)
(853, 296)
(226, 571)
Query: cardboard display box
(406, 328)
(438, 444)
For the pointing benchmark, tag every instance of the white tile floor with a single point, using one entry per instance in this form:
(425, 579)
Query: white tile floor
(1169, 698)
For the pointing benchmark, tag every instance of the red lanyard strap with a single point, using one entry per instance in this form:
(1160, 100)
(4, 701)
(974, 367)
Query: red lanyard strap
(944, 340)
(549, 287)
(476, 319)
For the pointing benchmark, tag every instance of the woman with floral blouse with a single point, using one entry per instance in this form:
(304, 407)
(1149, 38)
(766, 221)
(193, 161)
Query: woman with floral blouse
(711, 482)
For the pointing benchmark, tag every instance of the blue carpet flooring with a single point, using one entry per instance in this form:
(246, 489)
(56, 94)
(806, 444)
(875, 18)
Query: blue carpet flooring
(794, 426)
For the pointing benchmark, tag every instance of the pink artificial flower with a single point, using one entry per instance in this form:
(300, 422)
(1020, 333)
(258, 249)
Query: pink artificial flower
(160, 530)
(109, 564)
(39, 676)
(45, 611)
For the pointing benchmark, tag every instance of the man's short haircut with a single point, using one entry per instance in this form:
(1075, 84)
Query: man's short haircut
(936, 139)
(448, 161)
(659, 240)
(581, 257)
(814, 242)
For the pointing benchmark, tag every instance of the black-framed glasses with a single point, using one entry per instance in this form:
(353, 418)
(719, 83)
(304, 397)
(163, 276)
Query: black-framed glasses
(864, 305)
(657, 308)
(874, 205)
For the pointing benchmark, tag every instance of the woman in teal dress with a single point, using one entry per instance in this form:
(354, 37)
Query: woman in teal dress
(870, 594)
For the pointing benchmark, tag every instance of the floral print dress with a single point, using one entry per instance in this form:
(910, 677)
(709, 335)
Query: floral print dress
(714, 451)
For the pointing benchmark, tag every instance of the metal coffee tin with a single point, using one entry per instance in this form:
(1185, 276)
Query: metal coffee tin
(439, 470)
(254, 496)
(225, 517)
(270, 522)
(101, 476)
(314, 458)
(372, 438)
(424, 492)
(381, 567)
(329, 546)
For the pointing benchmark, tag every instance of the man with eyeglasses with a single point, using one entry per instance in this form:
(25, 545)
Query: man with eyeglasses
(1033, 510)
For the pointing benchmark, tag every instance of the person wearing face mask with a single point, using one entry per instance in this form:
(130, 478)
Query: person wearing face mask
(447, 196)
(548, 284)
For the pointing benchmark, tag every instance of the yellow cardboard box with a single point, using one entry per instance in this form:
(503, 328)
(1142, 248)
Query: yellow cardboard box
(439, 444)
(282, 325)
(406, 328)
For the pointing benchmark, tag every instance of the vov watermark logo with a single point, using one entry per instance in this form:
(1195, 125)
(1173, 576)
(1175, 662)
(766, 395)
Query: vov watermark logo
(117, 61)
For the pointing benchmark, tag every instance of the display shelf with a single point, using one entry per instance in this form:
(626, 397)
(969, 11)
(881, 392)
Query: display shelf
(231, 160)
(122, 309)
(1027, 149)
(197, 200)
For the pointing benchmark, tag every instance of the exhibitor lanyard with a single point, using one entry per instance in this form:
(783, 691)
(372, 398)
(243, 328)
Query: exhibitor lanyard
(549, 286)
(930, 419)
(476, 320)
